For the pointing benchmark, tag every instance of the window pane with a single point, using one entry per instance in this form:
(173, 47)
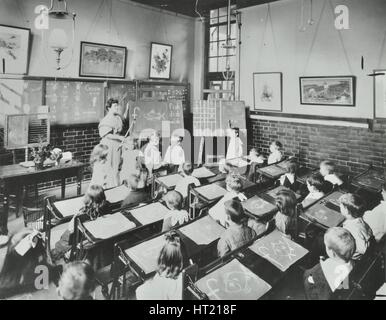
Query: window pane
(232, 63)
(223, 19)
(214, 13)
(213, 64)
(223, 11)
(233, 31)
(213, 34)
(227, 51)
(221, 64)
(213, 52)
(223, 32)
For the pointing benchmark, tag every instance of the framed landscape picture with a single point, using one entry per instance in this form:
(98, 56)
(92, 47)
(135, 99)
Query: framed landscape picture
(380, 93)
(160, 61)
(329, 91)
(102, 60)
(14, 50)
(267, 91)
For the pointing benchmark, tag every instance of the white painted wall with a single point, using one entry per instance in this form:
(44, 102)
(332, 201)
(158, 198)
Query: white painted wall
(287, 50)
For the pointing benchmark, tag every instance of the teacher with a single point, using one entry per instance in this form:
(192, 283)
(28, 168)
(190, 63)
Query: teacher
(110, 128)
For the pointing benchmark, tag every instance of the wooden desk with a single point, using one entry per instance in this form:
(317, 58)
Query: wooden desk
(18, 176)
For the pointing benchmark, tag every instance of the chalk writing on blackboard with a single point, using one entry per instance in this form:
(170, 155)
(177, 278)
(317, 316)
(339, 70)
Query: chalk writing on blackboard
(278, 249)
(258, 206)
(233, 281)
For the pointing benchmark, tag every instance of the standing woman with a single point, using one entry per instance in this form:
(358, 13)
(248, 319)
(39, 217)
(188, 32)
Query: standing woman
(110, 128)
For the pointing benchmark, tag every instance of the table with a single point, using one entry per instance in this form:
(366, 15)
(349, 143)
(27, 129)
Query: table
(19, 177)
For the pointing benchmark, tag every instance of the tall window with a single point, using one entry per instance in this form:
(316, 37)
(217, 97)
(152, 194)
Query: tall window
(218, 55)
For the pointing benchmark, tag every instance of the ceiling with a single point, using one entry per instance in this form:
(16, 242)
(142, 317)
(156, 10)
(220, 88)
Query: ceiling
(187, 7)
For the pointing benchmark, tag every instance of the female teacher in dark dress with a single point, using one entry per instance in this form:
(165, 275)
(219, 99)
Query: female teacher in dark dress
(110, 128)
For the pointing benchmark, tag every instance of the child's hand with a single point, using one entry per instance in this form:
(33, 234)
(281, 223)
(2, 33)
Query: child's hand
(242, 197)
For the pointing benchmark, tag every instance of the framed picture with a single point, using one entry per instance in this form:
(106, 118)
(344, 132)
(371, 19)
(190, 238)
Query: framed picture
(14, 49)
(329, 91)
(102, 60)
(267, 91)
(380, 94)
(160, 61)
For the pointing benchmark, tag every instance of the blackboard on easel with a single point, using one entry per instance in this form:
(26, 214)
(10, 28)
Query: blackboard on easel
(166, 117)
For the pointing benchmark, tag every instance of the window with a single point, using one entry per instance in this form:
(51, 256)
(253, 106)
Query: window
(218, 55)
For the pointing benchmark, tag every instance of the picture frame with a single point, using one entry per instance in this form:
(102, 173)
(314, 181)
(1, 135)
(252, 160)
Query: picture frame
(14, 56)
(160, 61)
(268, 91)
(100, 60)
(337, 91)
(380, 94)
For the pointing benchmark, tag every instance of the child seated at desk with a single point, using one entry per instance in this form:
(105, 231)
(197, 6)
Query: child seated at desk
(327, 170)
(276, 154)
(77, 281)
(167, 282)
(376, 218)
(286, 219)
(238, 233)
(175, 155)
(17, 277)
(182, 185)
(102, 172)
(234, 185)
(131, 156)
(288, 179)
(255, 157)
(136, 195)
(352, 208)
(321, 281)
(315, 185)
(95, 205)
(175, 217)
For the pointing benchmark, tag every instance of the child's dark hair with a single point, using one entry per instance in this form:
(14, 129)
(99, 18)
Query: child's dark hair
(174, 200)
(354, 204)
(286, 218)
(172, 256)
(234, 182)
(235, 211)
(278, 144)
(316, 180)
(341, 242)
(110, 102)
(292, 167)
(133, 182)
(187, 168)
(94, 201)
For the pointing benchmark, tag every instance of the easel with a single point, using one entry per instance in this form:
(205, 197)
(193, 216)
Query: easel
(213, 94)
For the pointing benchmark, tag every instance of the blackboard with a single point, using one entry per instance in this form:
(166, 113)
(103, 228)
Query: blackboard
(20, 96)
(213, 117)
(75, 102)
(278, 249)
(162, 116)
(233, 281)
(324, 215)
(258, 206)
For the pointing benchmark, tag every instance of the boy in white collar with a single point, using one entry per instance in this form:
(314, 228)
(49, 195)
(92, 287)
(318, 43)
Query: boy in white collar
(234, 185)
(315, 185)
(352, 208)
(329, 275)
(376, 218)
(175, 155)
(288, 179)
(327, 170)
(152, 155)
(235, 147)
(276, 152)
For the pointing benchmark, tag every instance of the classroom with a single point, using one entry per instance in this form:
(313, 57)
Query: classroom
(192, 150)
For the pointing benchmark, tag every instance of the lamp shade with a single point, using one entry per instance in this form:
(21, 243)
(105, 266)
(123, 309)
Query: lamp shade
(58, 39)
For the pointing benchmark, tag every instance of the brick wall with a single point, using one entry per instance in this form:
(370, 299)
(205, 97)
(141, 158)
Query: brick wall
(352, 149)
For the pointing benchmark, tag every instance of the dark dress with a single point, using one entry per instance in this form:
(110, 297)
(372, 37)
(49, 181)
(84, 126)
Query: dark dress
(135, 197)
(65, 242)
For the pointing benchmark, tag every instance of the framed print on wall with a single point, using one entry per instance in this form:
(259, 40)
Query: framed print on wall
(102, 60)
(267, 91)
(14, 49)
(160, 61)
(328, 91)
(380, 94)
